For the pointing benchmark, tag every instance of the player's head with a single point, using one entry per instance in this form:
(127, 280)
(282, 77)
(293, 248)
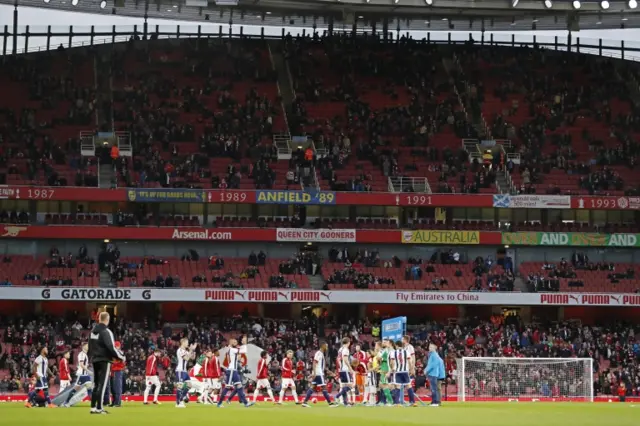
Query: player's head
(104, 318)
(157, 352)
(233, 343)
(184, 342)
(323, 346)
(358, 348)
(44, 351)
(263, 354)
(66, 355)
(432, 348)
(85, 347)
(390, 344)
(398, 343)
(346, 342)
(216, 352)
(406, 340)
(378, 346)
(32, 380)
(290, 354)
(208, 352)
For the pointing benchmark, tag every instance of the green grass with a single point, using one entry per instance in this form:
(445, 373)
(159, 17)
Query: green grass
(266, 414)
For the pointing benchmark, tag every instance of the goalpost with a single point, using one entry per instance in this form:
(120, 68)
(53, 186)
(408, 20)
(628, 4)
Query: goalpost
(525, 379)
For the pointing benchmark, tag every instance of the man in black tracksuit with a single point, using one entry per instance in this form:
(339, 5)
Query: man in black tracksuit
(102, 352)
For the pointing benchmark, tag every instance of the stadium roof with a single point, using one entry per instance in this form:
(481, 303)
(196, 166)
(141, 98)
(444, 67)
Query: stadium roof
(439, 15)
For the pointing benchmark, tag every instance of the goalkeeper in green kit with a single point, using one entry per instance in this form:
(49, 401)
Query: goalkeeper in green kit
(383, 359)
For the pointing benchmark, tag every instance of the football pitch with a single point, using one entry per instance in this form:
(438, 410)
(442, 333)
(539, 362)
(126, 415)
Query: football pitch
(266, 414)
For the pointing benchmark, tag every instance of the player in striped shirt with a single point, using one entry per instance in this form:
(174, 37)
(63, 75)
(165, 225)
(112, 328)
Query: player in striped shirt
(151, 377)
(83, 375)
(371, 381)
(345, 372)
(400, 367)
(318, 376)
(183, 355)
(40, 370)
(63, 371)
(411, 366)
(232, 375)
(286, 368)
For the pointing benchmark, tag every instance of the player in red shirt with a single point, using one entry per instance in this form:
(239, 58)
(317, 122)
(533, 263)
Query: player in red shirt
(286, 368)
(151, 376)
(212, 373)
(262, 377)
(63, 371)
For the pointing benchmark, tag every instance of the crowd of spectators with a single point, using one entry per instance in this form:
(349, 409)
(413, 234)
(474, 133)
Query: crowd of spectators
(548, 278)
(614, 348)
(305, 262)
(56, 101)
(156, 102)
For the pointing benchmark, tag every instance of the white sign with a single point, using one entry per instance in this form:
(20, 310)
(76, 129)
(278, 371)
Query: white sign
(297, 235)
(319, 296)
(532, 201)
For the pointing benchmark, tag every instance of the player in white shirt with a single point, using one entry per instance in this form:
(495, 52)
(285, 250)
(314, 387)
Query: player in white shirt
(347, 377)
(83, 375)
(317, 380)
(40, 369)
(183, 355)
(232, 374)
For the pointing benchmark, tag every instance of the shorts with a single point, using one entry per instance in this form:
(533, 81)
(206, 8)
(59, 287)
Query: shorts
(197, 386)
(152, 381)
(360, 380)
(318, 381)
(402, 378)
(288, 383)
(64, 384)
(182, 376)
(81, 380)
(232, 378)
(41, 383)
(263, 384)
(345, 378)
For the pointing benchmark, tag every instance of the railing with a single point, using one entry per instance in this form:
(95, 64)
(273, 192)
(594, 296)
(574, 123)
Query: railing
(87, 144)
(284, 110)
(456, 61)
(504, 142)
(282, 142)
(123, 140)
(48, 38)
(514, 157)
(409, 184)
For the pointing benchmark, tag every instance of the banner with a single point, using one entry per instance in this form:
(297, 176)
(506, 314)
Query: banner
(394, 328)
(160, 195)
(572, 239)
(296, 197)
(316, 235)
(202, 234)
(532, 201)
(606, 203)
(57, 193)
(318, 296)
(441, 237)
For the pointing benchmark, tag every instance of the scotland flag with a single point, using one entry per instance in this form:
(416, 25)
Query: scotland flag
(502, 201)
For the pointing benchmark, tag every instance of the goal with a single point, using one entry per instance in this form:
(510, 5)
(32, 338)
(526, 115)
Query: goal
(525, 379)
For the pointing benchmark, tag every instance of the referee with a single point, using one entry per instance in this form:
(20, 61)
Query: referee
(102, 352)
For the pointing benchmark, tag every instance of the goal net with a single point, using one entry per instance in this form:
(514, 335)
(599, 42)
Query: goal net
(525, 379)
